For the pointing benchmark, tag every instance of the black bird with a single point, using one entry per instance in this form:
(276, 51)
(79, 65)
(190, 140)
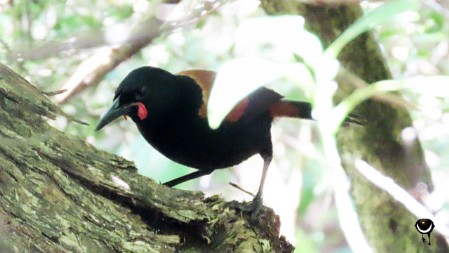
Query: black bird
(170, 112)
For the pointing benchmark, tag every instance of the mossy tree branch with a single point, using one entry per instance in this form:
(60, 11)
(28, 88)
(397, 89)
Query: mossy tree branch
(60, 194)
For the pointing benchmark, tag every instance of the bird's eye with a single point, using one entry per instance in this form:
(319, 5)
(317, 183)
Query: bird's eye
(141, 93)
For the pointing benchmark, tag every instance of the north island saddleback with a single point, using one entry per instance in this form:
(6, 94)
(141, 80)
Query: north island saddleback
(170, 112)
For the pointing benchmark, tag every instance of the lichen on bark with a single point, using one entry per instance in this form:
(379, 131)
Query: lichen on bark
(60, 194)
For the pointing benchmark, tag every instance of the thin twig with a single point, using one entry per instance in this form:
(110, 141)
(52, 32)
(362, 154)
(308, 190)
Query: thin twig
(53, 93)
(241, 189)
(92, 70)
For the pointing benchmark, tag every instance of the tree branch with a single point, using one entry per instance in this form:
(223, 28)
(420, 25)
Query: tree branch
(59, 194)
(92, 70)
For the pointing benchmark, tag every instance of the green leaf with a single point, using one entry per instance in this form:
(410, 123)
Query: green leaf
(425, 85)
(380, 15)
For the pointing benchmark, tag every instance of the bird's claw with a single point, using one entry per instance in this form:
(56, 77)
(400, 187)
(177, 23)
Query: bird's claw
(253, 208)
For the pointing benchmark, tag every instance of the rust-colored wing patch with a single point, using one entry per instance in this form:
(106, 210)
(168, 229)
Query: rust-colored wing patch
(205, 79)
(237, 111)
(260, 100)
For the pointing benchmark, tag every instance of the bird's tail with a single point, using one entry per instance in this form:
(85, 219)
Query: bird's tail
(291, 109)
(303, 110)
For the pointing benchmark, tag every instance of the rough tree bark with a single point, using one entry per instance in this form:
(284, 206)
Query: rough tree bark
(60, 194)
(388, 226)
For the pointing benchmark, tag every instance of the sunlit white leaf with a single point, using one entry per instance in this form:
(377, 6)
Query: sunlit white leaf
(235, 79)
(239, 77)
(283, 36)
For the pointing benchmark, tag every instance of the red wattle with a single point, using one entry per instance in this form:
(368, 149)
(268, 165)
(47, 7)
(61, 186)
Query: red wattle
(142, 112)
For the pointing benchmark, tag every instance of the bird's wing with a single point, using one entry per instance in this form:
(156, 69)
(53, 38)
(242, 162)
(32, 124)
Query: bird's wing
(205, 79)
(257, 102)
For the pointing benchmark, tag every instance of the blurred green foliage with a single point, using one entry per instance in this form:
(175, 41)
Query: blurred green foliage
(416, 43)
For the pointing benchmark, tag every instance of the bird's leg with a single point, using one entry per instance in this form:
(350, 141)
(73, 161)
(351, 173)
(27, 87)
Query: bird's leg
(256, 203)
(266, 164)
(193, 175)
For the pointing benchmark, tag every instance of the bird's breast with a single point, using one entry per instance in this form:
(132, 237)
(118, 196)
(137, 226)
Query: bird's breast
(194, 144)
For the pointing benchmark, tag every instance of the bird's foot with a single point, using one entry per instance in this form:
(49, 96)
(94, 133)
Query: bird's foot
(253, 208)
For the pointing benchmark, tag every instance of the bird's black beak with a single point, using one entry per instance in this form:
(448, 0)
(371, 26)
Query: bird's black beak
(114, 112)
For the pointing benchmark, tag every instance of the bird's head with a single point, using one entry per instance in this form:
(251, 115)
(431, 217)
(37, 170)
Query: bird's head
(142, 90)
